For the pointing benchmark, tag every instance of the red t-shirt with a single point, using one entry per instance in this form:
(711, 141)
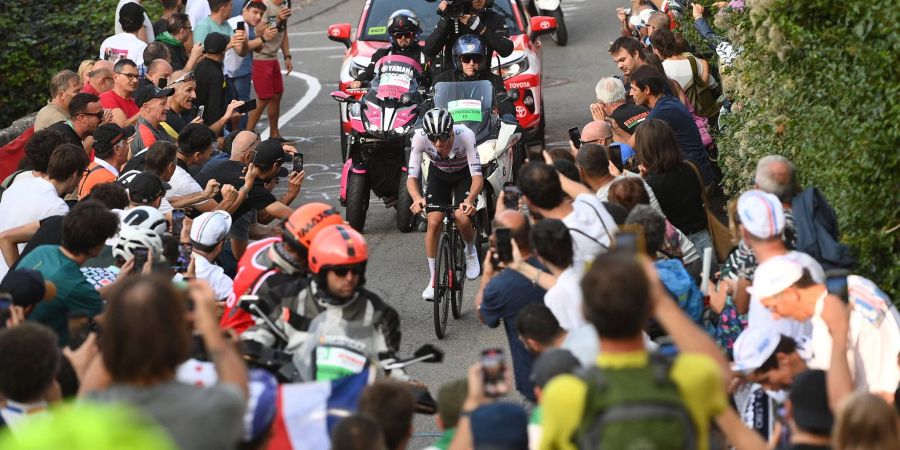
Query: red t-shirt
(88, 88)
(111, 100)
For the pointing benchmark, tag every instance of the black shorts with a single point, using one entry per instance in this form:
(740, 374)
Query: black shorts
(442, 186)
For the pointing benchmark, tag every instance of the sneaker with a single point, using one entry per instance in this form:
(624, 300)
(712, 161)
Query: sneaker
(428, 293)
(473, 267)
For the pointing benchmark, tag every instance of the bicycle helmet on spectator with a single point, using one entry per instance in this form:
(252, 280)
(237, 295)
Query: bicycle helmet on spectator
(403, 21)
(468, 44)
(146, 217)
(437, 122)
(131, 238)
(337, 246)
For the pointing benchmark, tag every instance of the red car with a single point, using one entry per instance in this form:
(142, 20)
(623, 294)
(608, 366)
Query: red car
(521, 70)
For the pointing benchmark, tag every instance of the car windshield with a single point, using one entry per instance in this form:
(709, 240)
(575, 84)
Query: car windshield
(375, 27)
(469, 102)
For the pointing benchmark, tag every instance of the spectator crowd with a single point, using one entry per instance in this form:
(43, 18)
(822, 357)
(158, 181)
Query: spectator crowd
(641, 307)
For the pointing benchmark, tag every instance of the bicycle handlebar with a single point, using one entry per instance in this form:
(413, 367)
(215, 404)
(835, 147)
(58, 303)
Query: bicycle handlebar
(442, 207)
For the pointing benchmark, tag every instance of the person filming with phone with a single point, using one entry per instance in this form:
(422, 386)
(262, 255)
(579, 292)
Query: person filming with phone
(460, 17)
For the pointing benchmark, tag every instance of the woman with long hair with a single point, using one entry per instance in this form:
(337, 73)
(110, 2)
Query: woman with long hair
(866, 422)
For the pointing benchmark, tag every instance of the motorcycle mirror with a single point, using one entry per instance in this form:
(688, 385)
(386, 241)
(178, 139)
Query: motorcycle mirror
(340, 32)
(428, 349)
(406, 99)
(541, 25)
(342, 97)
(513, 94)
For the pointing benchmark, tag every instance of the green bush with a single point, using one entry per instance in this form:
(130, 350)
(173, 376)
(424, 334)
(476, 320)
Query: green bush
(817, 82)
(42, 37)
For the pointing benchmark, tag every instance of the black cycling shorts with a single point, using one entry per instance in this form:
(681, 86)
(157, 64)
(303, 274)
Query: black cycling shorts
(442, 186)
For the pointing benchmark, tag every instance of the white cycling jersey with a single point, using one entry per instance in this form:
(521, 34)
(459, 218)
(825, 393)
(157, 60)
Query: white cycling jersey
(462, 154)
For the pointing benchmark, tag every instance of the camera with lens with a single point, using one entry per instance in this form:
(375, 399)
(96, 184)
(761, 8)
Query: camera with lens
(455, 9)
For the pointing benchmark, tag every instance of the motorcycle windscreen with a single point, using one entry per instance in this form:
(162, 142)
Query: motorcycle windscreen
(469, 102)
(396, 75)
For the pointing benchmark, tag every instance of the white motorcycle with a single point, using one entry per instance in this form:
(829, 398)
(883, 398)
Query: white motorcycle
(552, 8)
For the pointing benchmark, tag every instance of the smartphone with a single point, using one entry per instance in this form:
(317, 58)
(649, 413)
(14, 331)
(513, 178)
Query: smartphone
(707, 269)
(511, 194)
(140, 259)
(493, 367)
(249, 105)
(184, 257)
(200, 111)
(289, 4)
(615, 156)
(503, 237)
(575, 137)
(836, 283)
(630, 239)
(273, 21)
(177, 222)
(298, 162)
(240, 26)
(535, 153)
(163, 82)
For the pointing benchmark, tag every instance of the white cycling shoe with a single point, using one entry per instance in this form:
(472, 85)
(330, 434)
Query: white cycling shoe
(473, 266)
(428, 293)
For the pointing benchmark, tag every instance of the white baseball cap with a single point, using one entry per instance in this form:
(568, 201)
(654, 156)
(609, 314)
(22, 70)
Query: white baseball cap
(210, 228)
(641, 19)
(753, 347)
(761, 214)
(774, 276)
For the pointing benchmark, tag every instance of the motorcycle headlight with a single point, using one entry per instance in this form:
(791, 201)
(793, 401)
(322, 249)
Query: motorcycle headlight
(514, 68)
(355, 69)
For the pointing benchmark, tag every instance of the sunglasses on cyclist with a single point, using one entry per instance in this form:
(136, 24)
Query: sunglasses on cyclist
(186, 77)
(466, 59)
(403, 35)
(343, 271)
(438, 137)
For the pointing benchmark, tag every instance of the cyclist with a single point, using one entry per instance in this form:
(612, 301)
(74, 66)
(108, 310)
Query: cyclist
(334, 305)
(274, 268)
(470, 56)
(403, 31)
(450, 148)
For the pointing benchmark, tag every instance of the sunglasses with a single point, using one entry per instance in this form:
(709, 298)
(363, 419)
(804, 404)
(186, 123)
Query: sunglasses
(403, 35)
(466, 59)
(186, 77)
(343, 271)
(98, 114)
(438, 137)
(131, 76)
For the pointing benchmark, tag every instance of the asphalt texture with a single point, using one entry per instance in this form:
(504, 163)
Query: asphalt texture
(397, 269)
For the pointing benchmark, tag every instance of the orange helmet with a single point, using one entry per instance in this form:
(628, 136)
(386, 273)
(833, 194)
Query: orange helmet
(335, 246)
(308, 220)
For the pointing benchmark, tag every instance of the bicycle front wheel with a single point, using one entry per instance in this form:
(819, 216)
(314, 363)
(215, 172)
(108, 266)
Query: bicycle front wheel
(459, 265)
(443, 273)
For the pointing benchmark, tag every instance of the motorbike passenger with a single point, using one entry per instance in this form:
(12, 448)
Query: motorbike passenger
(276, 268)
(470, 56)
(334, 306)
(461, 17)
(451, 150)
(404, 32)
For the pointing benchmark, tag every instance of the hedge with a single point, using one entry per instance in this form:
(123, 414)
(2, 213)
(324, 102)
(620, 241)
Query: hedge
(42, 37)
(817, 82)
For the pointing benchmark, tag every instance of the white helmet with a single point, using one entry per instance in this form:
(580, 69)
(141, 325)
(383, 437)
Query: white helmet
(131, 238)
(146, 217)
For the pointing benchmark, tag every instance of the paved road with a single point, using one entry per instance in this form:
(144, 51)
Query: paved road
(397, 270)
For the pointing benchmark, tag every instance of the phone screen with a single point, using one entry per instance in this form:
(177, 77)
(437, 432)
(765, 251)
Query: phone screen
(240, 26)
(177, 222)
(615, 156)
(836, 283)
(575, 137)
(163, 82)
(184, 257)
(249, 105)
(140, 259)
(200, 111)
(511, 195)
(298, 162)
(493, 367)
(504, 244)
(273, 20)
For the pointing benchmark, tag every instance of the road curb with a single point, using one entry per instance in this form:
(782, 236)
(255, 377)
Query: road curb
(316, 9)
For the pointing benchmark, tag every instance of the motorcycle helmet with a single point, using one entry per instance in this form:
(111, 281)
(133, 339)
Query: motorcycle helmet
(437, 122)
(146, 217)
(468, 44)
(487, 4)
(306, 221)
(401, 21)
(337, 246)
(131, 238)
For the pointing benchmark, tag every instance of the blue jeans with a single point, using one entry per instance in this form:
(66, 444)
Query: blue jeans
(701, 240)
(242, 85)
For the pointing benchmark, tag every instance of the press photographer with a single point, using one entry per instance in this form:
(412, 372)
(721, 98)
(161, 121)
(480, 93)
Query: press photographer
(459, 17)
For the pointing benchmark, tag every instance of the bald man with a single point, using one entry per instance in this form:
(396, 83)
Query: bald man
(99, 78)
(503, 293)
(158, 69)
(243, 146)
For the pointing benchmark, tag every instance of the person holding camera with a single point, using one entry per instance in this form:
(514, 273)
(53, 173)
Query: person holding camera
(461, 17)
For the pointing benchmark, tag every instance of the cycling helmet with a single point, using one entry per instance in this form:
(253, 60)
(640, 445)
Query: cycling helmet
(146, 217)
(468, 44)
(306, 221)
(437, 122)
(131, 238)
(403, 20)
(337, 246)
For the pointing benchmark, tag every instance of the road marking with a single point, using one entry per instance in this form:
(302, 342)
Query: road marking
(317, 49)
(308, 97)
(307, 33)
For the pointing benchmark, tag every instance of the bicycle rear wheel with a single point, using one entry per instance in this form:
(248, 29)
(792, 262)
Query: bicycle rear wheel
(443, 273)
(459, 276)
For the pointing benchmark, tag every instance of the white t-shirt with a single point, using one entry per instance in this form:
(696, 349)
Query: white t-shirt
(123, 45)
(214, 275)
(874, 338)
(590, 226)
(182, 184)
(564, 299)
(760, 316)
(148, 25)
(233, 61)
(197, 10)
(28, 200)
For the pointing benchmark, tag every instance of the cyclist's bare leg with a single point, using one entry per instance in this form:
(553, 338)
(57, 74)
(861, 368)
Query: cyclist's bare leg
(464, 223)
(431, 235)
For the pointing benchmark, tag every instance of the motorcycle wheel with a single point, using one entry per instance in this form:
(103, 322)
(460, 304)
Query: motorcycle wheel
(561, 35)
(357, 200)
(406, 220)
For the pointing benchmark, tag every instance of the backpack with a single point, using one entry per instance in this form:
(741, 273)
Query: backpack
(635, 408)
(705, 101)
(817, 231)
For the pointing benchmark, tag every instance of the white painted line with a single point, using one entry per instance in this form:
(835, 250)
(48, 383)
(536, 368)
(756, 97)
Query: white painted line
(308, 97)
(310, 33)
(319, 49)
(335, 56)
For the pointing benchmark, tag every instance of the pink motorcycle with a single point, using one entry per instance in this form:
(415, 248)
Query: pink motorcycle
(378, 146)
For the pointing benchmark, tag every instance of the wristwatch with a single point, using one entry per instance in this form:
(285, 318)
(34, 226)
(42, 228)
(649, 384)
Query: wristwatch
(287, 56)
(263, 38)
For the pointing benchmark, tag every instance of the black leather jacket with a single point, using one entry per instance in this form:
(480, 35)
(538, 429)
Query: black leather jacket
(495, 35)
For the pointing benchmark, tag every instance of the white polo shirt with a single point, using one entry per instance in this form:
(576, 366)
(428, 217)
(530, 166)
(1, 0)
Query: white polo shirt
(760, 316)
(564, 299)
(214, 275)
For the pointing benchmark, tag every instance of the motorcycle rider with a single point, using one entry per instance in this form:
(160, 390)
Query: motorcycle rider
(334, 307)
(403, 31)
(275, 268)
(476, 18)
(450, 148)
(470, 56)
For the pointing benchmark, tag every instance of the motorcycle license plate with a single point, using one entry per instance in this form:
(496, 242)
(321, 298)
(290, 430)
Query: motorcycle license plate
(333, 363)
(465, 110)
